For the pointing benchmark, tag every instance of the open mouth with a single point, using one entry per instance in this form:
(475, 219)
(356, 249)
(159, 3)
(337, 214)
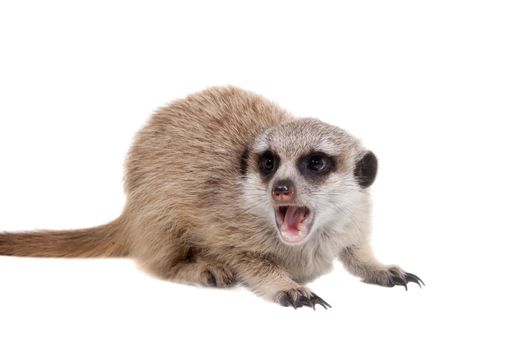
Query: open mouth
(293, 222)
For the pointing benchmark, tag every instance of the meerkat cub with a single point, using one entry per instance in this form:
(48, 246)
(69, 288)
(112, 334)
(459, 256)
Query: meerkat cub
(224, 187)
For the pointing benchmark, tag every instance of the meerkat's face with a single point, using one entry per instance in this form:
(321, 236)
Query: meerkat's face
(305, 176)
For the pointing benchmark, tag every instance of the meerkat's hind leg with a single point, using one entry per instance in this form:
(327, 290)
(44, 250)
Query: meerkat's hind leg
(206, 273)
(196, 271)
(169, 256)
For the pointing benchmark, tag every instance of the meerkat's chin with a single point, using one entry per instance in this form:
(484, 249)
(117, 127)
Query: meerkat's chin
(294, 223)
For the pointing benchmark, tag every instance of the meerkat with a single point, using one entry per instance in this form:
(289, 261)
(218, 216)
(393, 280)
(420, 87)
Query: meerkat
(223, 187)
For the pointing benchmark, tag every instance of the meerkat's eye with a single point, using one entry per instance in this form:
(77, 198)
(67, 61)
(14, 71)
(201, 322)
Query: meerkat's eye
(319, 164)
(316, 164)
(268, 163)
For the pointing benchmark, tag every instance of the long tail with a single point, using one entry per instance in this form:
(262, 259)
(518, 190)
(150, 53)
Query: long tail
(101, 241)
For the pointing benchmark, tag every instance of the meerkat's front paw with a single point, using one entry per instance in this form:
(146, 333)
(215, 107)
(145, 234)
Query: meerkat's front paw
(217, 275)
(392, 276)
(299, 297)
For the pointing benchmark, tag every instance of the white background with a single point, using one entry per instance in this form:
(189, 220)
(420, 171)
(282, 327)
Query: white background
(436, 89)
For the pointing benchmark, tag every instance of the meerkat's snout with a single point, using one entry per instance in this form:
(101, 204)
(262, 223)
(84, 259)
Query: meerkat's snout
(293, 221)
(283, 191)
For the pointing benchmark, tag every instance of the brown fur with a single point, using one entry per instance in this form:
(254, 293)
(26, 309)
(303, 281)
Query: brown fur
(193, 217)
(92, 242)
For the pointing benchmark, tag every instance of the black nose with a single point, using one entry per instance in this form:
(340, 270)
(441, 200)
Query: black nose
(283, 190)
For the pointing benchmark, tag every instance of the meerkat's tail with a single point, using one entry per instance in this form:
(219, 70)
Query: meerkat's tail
(100, 241)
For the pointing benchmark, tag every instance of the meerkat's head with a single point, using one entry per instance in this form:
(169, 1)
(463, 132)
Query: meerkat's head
(304, 176)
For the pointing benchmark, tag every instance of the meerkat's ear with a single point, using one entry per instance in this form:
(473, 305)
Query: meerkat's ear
(366, 169)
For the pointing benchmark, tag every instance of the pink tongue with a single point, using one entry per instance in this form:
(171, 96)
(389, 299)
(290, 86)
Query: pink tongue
(294, 216)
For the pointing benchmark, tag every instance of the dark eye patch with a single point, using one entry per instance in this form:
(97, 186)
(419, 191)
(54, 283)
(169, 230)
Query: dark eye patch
(268, 163)
(316, 165)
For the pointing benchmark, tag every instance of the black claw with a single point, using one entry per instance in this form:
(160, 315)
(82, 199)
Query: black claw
(304, 301)
(315, 299)
(405, 279)
(399, 281)
(286, 299)
(410, 277)
(395, 277)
